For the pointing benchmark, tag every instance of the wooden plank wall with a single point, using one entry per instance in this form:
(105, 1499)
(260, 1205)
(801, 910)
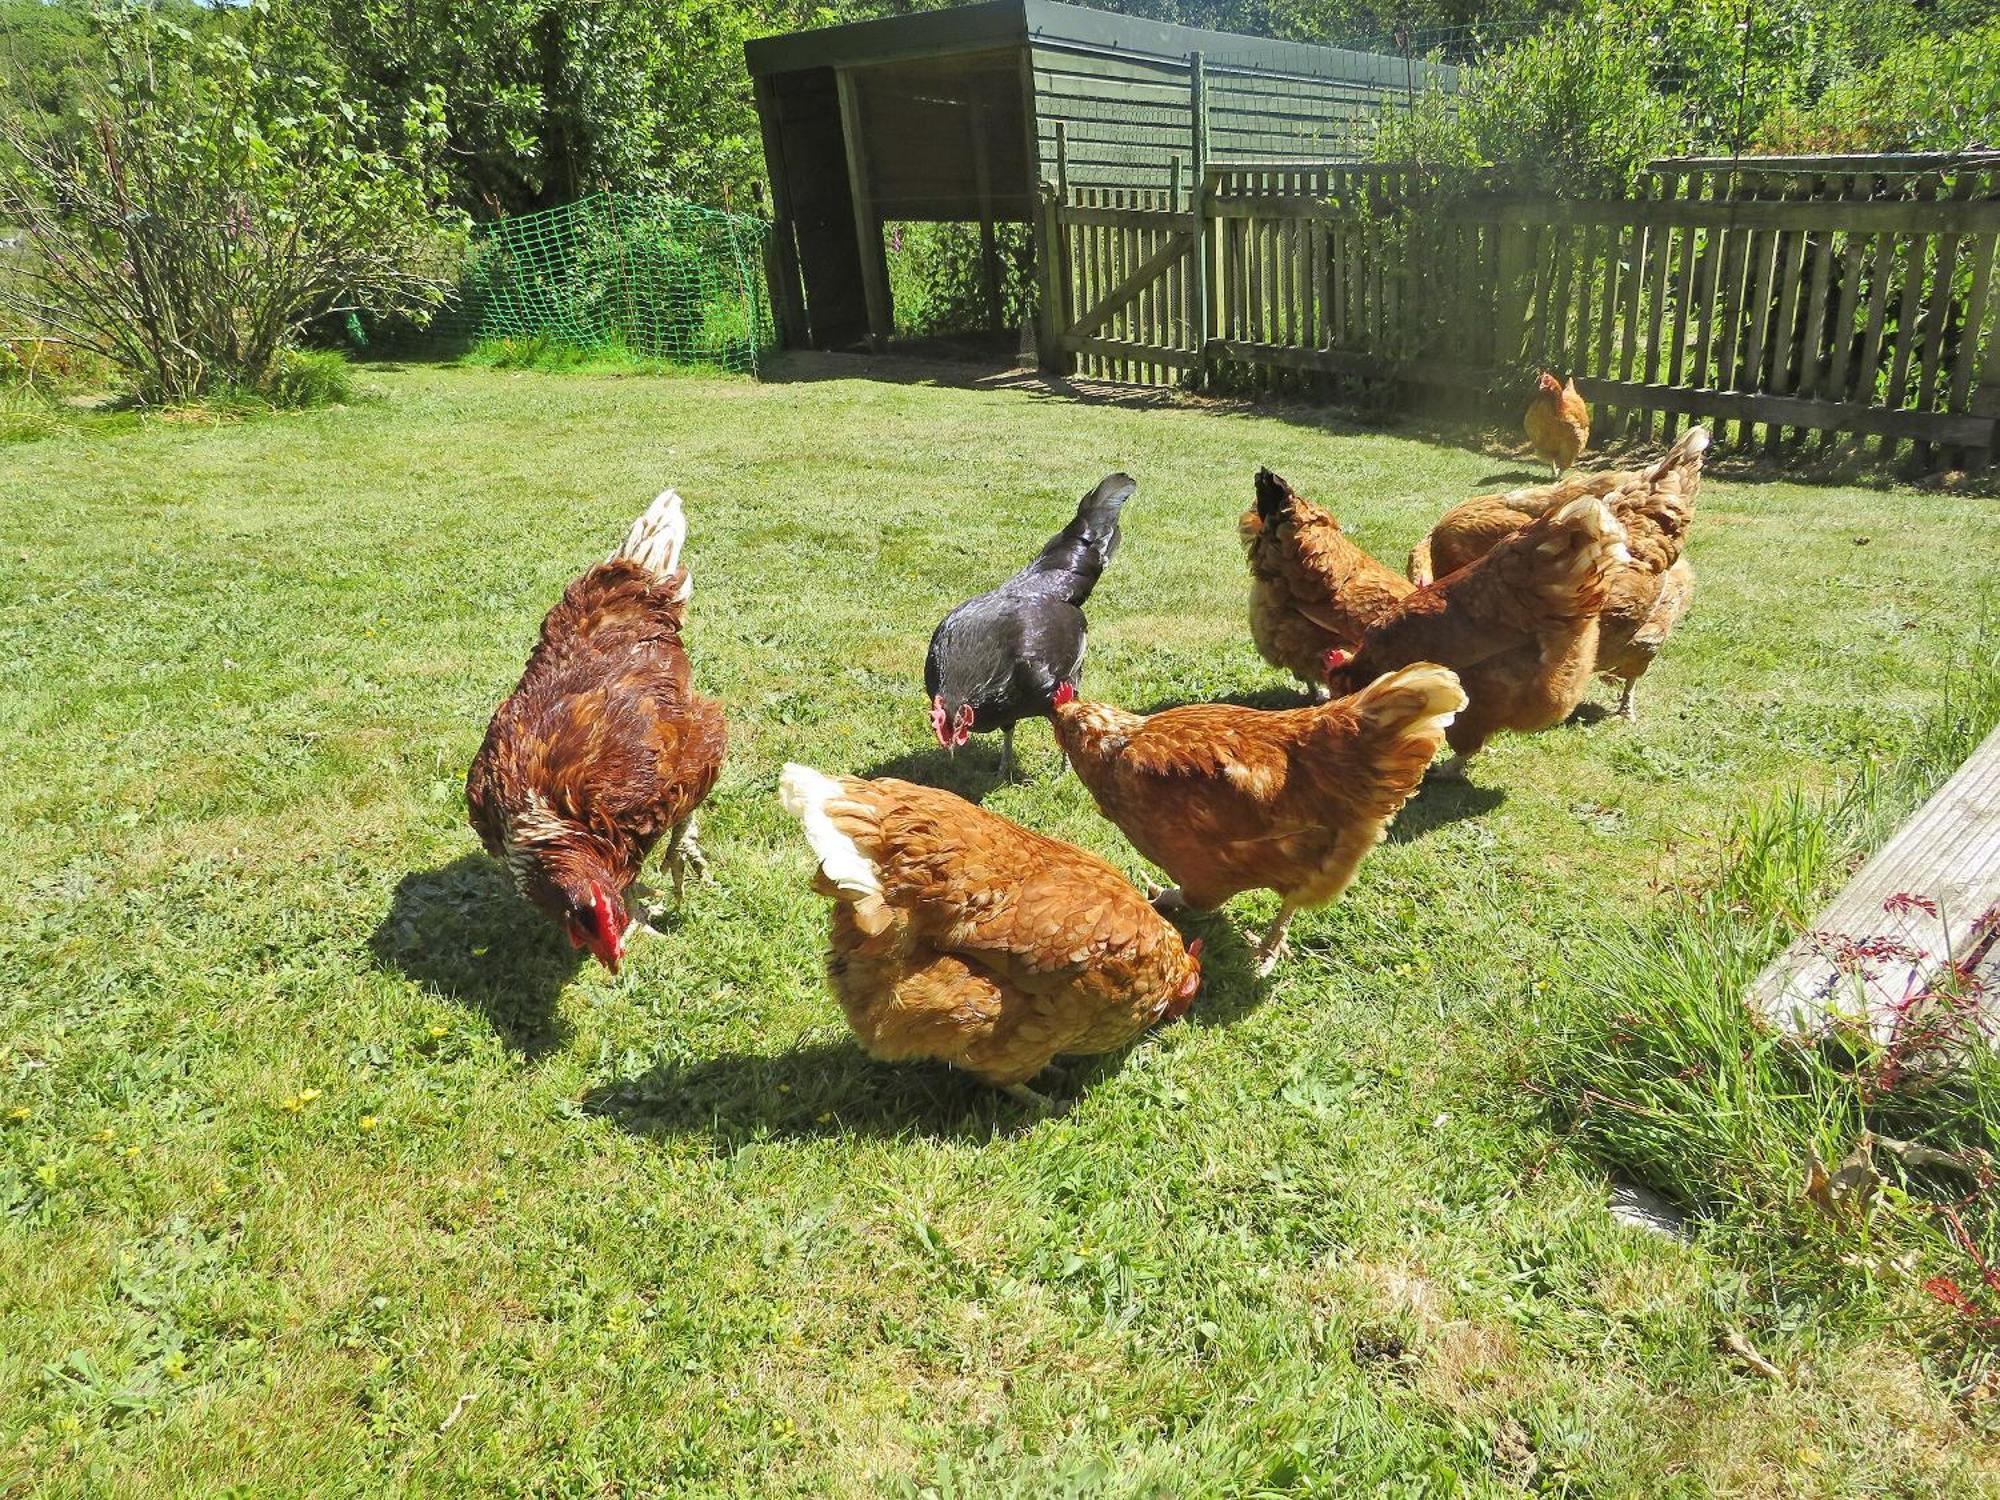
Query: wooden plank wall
(1806, 308)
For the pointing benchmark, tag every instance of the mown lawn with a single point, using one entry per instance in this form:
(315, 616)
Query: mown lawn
(327, 1170)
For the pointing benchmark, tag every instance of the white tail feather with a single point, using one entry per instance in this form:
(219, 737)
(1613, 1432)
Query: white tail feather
(1692, 445)
(656, 539)
(1595, 517)
(804, 794)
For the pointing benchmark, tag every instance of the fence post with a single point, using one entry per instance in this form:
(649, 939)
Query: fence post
(1053, 261)
(1204, 269)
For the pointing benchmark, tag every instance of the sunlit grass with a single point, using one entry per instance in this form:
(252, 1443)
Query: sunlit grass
(326, 1167)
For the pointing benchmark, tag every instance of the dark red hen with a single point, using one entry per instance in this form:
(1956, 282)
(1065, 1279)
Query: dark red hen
(603, 745)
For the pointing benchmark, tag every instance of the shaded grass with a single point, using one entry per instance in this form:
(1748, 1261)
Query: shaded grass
(672, 1232)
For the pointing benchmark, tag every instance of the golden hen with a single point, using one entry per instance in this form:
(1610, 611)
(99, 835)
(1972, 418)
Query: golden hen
(1519, 626)
(1648, 594)
(960, 936)
(1228, 799)
(1557, 422)
(1311, 587)
(604, 745)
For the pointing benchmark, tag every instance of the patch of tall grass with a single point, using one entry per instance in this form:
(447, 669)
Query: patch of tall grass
(1660, 1069)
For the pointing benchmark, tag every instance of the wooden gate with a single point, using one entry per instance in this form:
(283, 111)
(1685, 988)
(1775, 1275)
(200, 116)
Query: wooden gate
(1124, 285)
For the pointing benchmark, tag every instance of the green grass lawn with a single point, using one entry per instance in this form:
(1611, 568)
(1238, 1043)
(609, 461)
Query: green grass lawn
(326, 1169)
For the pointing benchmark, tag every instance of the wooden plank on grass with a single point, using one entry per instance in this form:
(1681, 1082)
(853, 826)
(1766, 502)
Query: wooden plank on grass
(1932, 891)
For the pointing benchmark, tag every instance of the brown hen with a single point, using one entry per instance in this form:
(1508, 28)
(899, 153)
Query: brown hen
(1648, 594)
(1557, 422)
(1311, 588)
(1519, 626)
(1228, 799)
(960, 936)
(604, 745)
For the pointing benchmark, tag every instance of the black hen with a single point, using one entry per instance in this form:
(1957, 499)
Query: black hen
(998, 659)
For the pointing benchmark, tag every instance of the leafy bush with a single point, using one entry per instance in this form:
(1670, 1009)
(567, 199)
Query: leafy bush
(1936, 93)
(1573, 110)
(936, 282)
(209, 195)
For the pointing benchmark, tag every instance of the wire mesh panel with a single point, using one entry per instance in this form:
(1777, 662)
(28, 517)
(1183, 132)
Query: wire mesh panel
(621, 272)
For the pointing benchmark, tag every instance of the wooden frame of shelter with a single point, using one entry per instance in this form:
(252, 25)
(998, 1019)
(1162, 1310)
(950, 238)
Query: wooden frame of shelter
(964, 115)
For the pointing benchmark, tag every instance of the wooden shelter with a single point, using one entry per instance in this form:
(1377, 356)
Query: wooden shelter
(963, 115)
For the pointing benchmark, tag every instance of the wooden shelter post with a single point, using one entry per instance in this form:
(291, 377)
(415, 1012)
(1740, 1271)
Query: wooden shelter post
(1198, 202)
(780, 251)
(867, 223)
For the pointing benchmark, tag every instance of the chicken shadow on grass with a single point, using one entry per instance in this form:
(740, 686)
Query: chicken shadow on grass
(975, 770)
(1508, 479)
(462, 932)
(819, 1088)
(1438, 804)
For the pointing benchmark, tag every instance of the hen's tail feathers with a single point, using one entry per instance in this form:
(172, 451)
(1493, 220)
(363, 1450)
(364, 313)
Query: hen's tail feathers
(806, 794)
(1577, 547)
(656, 539)
(1420, 570)
(1415, 702)
(1687, 453)
(1099, 509)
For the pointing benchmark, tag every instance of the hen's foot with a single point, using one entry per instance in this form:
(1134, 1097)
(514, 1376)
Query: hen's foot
(684, 856)
(1267, 955)
(1040, 1103)
(1627, 709)
(1272, 946)
(1451, 770)
(647, 908)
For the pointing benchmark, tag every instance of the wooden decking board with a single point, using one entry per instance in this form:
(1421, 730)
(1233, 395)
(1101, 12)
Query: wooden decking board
(1947, 855)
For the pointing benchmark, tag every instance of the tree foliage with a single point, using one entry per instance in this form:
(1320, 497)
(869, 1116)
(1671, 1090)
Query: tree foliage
(206, 192)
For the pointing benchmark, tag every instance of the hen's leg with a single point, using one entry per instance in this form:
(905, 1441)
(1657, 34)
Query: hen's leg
(1007, 753)
(1627, 710)
(684, 854)
(1272, 946)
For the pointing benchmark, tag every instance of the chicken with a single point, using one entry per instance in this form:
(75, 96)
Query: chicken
(1648, 594)
(603, 746)
(1228, 799)
(1311, 588)
(995, 659)
(1519, 626)
(960, 936)
(1557, 422)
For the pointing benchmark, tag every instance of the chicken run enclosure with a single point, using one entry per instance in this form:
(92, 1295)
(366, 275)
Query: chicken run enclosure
(1200, 206)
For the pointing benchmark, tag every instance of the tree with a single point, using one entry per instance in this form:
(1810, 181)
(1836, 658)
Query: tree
(210, 192)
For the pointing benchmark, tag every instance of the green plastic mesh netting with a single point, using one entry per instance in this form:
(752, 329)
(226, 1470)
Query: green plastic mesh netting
(628, 273)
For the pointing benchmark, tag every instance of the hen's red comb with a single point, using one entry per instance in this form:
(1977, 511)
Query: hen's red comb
(1065, 693)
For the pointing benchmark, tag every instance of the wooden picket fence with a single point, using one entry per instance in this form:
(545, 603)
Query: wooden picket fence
(1850, 297)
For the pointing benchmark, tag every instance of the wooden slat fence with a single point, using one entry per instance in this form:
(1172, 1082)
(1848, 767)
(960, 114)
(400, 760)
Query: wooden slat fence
(1805, 301)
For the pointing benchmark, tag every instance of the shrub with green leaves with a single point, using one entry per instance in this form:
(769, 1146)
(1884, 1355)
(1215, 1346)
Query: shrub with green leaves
(211, 192)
